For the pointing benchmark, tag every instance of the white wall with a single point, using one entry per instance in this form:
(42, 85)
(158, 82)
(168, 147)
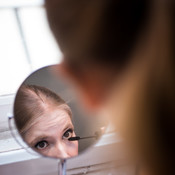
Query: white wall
(98, 160)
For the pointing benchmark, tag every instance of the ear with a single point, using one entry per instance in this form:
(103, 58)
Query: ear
(85, 84)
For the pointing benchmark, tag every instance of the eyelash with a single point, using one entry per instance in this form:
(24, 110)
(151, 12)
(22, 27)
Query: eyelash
(42, 141)
(68, 131)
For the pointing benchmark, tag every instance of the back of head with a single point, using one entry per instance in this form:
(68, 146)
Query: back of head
(96, 30)
(108, 33)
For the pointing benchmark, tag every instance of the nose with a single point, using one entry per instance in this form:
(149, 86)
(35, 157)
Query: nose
(60, 151)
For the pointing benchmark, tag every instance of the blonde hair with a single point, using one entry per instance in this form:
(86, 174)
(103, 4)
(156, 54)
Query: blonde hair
(32, 102)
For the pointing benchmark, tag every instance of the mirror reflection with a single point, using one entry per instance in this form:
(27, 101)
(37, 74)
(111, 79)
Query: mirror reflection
(48, 119)
(44, 121)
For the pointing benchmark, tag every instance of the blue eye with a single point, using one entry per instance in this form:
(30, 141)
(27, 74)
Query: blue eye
(68, 134)
(41, 145)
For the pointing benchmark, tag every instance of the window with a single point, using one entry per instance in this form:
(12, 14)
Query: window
(14, 66)
(42, 46)
(26, 42)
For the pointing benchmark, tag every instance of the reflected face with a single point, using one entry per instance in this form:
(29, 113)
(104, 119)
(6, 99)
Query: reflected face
(49, 135)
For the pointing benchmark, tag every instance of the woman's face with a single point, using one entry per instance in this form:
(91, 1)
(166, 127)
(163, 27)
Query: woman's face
(50, 132)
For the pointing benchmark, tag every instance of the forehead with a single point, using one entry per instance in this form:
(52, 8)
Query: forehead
(50, 121)
(56, 114)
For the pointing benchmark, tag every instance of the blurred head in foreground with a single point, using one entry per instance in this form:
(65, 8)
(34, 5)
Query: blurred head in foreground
(44, 121)
(119, 55)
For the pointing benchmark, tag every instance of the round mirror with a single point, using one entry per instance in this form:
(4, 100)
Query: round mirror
(49, 120)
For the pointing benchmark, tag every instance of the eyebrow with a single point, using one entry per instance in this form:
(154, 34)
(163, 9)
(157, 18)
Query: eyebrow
(69, 125)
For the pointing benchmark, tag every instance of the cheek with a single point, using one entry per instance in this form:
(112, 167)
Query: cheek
(72, 148)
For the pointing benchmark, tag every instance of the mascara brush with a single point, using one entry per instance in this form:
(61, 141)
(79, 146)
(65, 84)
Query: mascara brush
(80, 138)
(96, 136)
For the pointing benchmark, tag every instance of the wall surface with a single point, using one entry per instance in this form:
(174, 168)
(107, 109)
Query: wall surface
(97, 160)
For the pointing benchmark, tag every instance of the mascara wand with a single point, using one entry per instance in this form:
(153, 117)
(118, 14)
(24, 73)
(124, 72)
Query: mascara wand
(96, 136)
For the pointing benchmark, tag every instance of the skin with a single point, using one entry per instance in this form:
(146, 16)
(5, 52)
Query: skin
(49, 135)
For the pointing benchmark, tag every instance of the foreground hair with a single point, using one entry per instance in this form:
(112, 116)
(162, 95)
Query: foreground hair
(106, 32)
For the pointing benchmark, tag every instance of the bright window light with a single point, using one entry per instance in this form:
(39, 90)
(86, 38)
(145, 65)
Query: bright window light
(26, 44)
(13, 63)
(20, 3)
(41, 44)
